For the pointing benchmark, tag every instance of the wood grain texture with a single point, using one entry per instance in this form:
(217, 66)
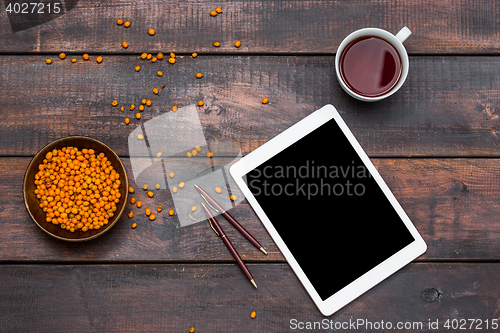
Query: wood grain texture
(454, 204)
(449, 106)
(217, 298)
(444, 26)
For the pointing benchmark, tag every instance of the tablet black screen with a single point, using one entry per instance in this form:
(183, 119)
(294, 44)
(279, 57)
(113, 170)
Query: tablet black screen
(330, 212)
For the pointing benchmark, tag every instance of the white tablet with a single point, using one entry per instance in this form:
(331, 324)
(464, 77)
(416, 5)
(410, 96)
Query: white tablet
(330, 213)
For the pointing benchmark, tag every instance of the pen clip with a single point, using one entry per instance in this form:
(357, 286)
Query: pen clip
(208, 203)
(211, 226)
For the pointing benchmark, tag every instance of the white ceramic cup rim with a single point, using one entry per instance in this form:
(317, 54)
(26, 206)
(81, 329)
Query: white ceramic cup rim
(396, 41)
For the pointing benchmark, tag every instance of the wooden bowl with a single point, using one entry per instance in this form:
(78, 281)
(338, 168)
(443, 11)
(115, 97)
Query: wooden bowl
(32, 204)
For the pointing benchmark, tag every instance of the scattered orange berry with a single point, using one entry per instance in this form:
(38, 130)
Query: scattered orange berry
(127, 24)
(218, 190)
(233, 197)
(134, 225)
(127, 121)
(194, 54)
(199, 75)
(171, 60)
(201, 103)
(213, 13)
(62, 56)
(119, 21)
(151, 32)
(265, 101)
(137, 68)
(98, 59)
(237, 43)
(216, 44)
(218, 10)
(86, 56)
(125, 44)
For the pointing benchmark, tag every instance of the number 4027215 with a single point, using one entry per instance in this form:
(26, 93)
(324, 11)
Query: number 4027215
(33, 8)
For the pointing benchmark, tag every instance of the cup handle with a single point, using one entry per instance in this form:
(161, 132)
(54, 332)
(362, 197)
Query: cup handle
(403, 34)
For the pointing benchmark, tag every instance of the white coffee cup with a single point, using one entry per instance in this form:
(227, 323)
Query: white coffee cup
(396, 41)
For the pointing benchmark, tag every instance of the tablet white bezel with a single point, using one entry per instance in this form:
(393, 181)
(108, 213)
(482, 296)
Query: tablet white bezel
(370, 278)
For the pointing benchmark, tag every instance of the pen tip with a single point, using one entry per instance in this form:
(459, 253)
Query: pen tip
(253, 282)
(196, 186)
(263, 250)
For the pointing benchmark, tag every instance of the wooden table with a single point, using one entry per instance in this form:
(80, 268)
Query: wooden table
(436, 142)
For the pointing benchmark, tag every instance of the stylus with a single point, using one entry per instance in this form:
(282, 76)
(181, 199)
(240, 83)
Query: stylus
(218, 230)
(218, 208)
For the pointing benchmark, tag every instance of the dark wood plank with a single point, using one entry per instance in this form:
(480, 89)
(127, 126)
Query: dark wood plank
(448, 107)
(217, 298)
(452, 202)
(263, 26)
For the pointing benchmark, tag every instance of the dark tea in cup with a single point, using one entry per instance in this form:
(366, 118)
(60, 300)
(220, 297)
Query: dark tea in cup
(370, 66)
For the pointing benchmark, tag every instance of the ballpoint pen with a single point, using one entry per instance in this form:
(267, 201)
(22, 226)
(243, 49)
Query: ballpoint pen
(218, 230)
(219, 209)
